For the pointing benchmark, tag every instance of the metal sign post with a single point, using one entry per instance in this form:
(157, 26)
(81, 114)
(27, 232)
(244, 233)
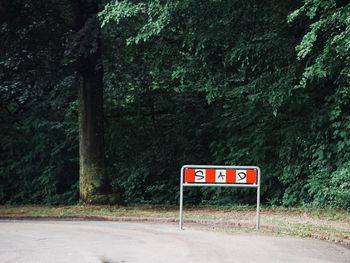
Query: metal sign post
(220, 175)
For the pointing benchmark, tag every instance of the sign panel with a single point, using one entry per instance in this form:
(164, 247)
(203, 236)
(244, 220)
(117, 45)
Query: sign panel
(220, 176)
(224, 176)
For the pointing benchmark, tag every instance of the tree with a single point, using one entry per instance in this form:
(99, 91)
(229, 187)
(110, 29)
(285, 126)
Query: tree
(93, 179)
(324, 55)
(51, 42)
(239, 55)
(37, 105)
(222, 82)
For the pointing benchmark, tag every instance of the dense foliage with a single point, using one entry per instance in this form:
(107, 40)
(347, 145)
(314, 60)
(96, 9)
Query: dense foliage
(221, 82)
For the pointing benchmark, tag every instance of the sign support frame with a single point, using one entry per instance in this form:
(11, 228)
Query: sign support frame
(257, 186)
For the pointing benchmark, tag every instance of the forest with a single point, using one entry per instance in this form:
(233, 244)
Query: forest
(103, 101)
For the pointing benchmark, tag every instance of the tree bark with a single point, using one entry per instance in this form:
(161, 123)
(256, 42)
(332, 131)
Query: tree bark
(93, 182)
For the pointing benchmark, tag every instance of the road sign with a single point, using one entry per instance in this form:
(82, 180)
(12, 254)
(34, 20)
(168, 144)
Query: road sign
(219, 175)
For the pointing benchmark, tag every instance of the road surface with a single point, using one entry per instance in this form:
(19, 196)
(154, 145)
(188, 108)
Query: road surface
(116, 242)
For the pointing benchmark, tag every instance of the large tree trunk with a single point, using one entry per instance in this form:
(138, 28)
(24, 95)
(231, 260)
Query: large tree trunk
(93, 180)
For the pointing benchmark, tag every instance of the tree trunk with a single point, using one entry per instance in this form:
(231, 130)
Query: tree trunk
(93, 181)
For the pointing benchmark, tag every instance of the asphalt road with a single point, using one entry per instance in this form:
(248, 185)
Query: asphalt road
(115, 242)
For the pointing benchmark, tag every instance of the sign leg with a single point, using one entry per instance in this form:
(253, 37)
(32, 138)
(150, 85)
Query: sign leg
(181, 201)
(258, 207)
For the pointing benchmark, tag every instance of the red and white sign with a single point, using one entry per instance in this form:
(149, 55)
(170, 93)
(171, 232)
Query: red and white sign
(220, 176)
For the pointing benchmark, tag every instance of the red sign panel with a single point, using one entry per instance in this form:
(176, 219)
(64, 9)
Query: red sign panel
(220, 176)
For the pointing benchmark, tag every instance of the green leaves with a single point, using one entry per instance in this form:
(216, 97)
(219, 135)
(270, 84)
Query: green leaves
(222, 82)
(155, 16)
(327, 41)
(116, 11)
(307, 43)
